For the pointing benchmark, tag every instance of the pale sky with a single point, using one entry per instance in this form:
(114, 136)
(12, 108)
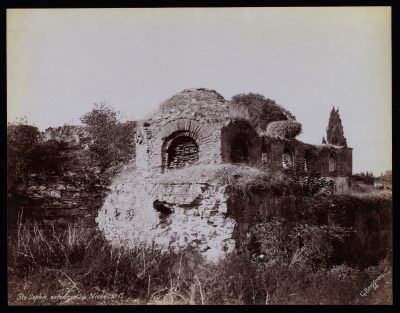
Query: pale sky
(61, 61)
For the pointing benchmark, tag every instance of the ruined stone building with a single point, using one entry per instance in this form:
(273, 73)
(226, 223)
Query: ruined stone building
(197, 127)
(174, 193)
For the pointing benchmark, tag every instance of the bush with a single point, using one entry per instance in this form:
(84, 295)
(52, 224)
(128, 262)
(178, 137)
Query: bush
(22, 141)
(366, 178)
(257, 109)
(309, 247)
(316, 245)
(283, 129)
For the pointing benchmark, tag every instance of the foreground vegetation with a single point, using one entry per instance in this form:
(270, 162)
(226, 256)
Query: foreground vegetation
(278, 264)
(77, 266)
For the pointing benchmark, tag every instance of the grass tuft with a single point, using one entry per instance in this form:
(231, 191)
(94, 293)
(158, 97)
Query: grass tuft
(77, 262)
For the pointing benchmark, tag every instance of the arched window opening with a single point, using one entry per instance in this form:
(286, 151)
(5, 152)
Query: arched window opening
(287, 158)
(239, 150)
(307, 160)
(332, 162)
(182, 151)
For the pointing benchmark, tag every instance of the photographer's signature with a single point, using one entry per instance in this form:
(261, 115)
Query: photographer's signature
(373, 285)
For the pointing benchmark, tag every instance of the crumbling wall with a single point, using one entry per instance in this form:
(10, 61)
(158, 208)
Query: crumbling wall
(171, 212)
(142, 210)
(316, 158)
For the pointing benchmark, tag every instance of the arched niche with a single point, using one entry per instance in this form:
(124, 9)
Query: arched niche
(166, 141)
(287, 158)
(332, 162)
(182, 151)
(240, 149)
(307, 160)
(240, 143)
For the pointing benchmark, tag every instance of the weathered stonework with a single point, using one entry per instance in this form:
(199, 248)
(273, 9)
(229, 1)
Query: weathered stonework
(229, 140)
(145, 209)
(195, 128)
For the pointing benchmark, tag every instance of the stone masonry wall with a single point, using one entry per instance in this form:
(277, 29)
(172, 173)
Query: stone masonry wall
(153, 144)
(142, 210)
(318, 162)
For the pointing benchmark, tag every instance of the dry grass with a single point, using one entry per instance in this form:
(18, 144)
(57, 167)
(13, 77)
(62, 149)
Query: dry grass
(76, 266)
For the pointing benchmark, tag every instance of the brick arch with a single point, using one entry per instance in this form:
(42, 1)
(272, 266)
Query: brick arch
(198, 131)
(201, 134)
(183, 140)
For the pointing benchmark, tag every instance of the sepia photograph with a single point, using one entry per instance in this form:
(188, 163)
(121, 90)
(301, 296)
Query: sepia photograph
(202, 156)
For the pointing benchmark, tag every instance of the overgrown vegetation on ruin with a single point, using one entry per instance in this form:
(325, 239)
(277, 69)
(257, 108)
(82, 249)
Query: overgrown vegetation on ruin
(276, 269)
(258, 110)
(283, 129)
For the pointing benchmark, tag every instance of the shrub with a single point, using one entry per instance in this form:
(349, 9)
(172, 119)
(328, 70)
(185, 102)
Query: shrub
(309, 247)
(316, 245)
(22, 140)
(257, 109)
(270, 241)
(283, 129)
(366, 178)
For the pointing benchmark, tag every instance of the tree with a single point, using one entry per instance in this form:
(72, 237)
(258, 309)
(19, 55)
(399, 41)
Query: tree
(112, 141)
(334, 131)
(27, 154)
(22, 140)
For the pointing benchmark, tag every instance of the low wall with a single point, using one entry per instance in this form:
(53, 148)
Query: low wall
(368, 215)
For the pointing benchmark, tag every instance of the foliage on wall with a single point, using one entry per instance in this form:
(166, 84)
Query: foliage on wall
(259, 110)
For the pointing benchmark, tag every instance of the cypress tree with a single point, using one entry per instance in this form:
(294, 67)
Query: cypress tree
(334, 131)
